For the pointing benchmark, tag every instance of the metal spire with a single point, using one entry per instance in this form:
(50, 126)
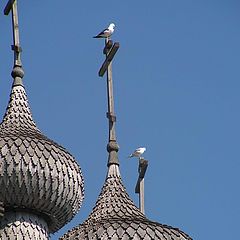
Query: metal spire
(110, 50)
(17, 72)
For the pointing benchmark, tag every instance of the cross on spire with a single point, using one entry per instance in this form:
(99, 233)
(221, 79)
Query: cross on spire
(110, 50)
(12, 6)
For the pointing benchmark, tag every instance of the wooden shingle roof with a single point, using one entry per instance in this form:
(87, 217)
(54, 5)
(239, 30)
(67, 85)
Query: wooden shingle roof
(115, 216)
(36, 173)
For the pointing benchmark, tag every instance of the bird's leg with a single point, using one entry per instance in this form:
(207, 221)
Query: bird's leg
(139, 166)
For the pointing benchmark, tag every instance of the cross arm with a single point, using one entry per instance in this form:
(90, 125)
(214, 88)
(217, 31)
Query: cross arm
(109, 58)
(8, 7)
(143, 164)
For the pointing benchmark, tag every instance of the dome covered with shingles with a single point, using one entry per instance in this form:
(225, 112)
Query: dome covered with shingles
(115, 216)
(36, 174)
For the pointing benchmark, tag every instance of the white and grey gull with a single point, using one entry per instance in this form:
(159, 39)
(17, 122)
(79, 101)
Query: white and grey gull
(106, 33)
(138, 152)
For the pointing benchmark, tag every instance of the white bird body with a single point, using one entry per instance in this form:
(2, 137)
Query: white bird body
(138, 152)
(106, 32)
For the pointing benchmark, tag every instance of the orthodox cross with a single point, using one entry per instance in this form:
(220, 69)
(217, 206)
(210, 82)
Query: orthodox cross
(110, 50)
(12, 5)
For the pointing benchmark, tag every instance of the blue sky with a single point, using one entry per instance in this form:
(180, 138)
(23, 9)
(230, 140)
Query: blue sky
(176, 87)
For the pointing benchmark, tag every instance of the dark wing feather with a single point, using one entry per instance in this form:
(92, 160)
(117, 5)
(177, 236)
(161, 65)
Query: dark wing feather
(101, 33)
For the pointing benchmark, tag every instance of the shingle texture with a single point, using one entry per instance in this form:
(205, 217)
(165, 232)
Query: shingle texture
(24, 226)
(1, 209)
(35, 172)
(116, 217)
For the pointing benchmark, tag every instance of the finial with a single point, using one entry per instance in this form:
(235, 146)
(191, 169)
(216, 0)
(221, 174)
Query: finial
(17, 74)
(112, 148)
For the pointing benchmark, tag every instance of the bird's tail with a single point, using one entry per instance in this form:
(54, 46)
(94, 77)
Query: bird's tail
(131, 155)
(97, 36)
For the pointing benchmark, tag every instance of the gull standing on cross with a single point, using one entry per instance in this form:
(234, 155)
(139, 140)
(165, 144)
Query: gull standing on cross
(106, 33)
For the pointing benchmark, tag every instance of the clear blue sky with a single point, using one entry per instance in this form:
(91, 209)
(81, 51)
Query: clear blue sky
(176, 82)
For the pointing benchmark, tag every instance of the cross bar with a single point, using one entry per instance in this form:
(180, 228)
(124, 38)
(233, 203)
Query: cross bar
(111, 117)
(8, 7)
(142, 168)
(16, 48)
(109, 58)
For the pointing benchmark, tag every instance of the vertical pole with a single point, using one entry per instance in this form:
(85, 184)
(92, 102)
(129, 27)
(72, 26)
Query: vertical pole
(17, 72)
(141, 196)
(112, 146)
(16, 40)
(142, 167)
(110, 114)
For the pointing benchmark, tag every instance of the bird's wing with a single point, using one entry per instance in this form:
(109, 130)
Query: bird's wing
(104, 31)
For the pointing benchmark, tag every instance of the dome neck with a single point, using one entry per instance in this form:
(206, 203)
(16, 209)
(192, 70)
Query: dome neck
(24, 225)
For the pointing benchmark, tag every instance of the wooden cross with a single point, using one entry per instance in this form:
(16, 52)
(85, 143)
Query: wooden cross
(12, 5)
(109, 50)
